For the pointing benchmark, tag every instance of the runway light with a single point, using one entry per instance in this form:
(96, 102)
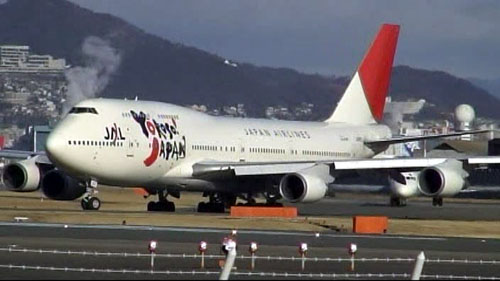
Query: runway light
(352, 249)
(317, 235)
(253, 247)
(234, 232)
(303, 251)
(152, 249)
(152, 246)
(303, 248)
(202, 247)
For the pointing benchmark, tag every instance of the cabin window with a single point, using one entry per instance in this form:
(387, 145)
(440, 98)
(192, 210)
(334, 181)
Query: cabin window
(79, 110)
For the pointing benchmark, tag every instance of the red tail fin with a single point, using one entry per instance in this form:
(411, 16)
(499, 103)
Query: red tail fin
(364, 99)
(375, 69)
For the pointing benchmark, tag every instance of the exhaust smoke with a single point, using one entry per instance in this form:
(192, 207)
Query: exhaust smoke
(89, 81)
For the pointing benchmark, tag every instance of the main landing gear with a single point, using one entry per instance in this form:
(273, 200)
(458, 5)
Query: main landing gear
(163, 205)
(272, 200)
(437, 202)
(90, 202)
(217, 203)
(398, 202)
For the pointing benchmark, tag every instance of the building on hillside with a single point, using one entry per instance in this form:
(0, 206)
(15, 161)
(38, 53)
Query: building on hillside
(18, 59)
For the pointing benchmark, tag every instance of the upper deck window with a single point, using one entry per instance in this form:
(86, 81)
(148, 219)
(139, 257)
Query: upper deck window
(78, 110)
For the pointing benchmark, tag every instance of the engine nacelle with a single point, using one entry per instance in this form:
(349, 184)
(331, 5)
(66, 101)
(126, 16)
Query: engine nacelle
(404, 184)
(22, 176)
(57, 185)
(301, 187)
(442, 181)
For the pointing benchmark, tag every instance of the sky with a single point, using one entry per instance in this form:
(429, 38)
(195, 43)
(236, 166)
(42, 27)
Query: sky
(325, 36)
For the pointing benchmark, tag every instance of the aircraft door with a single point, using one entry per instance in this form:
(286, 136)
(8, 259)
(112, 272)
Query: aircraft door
(241, 150)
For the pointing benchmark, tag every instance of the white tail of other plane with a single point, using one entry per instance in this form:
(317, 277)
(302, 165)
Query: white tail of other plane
(364, 99)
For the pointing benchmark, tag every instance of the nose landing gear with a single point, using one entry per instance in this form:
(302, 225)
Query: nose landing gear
(90, 202)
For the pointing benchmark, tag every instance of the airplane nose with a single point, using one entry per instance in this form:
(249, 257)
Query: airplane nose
(54, 146)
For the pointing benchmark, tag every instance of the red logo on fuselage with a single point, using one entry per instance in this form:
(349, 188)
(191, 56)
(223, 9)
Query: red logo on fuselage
(166, 141)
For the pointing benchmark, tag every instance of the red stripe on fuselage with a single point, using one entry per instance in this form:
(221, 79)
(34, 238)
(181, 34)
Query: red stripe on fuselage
(154, 153)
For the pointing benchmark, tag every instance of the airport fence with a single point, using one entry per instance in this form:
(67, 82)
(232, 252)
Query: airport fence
(253, 273)
(245, 257)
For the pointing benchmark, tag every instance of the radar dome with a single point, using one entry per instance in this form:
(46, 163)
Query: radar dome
(465, 113)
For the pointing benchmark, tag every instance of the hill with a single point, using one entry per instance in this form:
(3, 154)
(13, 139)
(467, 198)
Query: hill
(155, 68)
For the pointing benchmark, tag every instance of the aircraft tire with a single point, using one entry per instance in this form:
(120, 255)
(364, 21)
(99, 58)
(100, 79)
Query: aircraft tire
(84, 204)
(169, 207)
(440, 202)
(94, 204)
(152, 206)
(219, 208)
(91, 204)
(161, 206)
(211, 207)
(202, 207)
(275, 204)
(437, 202)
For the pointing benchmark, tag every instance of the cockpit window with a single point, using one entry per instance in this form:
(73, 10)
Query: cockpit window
(78, 110)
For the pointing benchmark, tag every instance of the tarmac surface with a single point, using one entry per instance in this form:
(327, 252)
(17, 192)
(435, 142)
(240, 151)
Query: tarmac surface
(89, 245)
(33, 264)
(453, 209)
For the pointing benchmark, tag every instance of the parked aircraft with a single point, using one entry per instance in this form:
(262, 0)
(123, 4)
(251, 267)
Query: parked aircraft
(168, 149)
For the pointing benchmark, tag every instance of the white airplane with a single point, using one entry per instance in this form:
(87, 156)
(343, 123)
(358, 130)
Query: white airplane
(168, 149)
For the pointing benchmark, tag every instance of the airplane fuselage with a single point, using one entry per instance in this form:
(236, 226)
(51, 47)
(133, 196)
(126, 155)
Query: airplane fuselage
(142, 143)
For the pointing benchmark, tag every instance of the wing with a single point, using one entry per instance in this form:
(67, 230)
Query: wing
(18, 154)
(211, 168)
(41, 157)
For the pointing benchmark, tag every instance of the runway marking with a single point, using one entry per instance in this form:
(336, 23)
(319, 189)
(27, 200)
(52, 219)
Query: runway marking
(209, 230)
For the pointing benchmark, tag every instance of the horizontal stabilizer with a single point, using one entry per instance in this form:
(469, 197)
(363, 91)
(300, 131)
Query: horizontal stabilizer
(418, 138)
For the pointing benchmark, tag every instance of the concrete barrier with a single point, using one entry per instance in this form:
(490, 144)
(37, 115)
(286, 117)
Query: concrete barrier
(244, 211)
(370, 224)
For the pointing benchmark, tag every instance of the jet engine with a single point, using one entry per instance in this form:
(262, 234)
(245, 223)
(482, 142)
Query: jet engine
(403, 184)
(22, 176)
(442, 181)
(301, 187)
(57, 185)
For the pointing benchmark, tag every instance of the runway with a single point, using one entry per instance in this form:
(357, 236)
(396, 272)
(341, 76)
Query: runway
(466, 217)
(127, 239)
